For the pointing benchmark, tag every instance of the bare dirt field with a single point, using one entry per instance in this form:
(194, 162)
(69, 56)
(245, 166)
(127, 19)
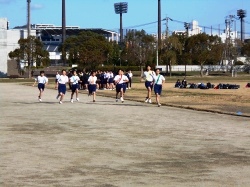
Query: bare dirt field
(228, 101)
(114, 144)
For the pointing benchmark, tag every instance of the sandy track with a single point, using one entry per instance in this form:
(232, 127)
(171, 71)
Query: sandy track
(113, 144)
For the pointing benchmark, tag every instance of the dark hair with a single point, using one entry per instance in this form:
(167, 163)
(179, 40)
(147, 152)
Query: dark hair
(63, 70)
(92, 72)
(41, 72)
(148, 65)
(157, 69)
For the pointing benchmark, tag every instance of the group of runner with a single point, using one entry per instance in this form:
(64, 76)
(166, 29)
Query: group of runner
(153, 81)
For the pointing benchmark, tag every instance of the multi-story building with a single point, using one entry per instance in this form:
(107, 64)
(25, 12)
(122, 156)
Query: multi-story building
(51, 36)
(9, 42)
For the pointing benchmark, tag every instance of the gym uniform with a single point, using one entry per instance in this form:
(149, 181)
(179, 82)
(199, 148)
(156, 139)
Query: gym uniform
(41, 80)
(148, 75)
(63, 79)
(74, 80)
(121, 84)
(158, 80)
(111, 78)
(92, 84)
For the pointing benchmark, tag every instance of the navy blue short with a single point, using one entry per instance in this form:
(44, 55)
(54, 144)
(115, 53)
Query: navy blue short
(41, 86)
(119, 87)
(157, 89)
(124, 87)
(92, 88)
(62, 88)
(74, 87)
(111, 80)
(148, 84)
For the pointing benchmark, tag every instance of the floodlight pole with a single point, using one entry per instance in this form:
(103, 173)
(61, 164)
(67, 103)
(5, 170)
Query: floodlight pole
(121, 30)
(121, 8)
(241, 14)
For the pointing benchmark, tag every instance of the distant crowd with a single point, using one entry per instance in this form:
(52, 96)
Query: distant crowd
(185, 84)
(105, 79)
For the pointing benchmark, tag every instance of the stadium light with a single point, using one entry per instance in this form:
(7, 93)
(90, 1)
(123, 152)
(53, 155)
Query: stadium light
(241, 14)
(121, 8)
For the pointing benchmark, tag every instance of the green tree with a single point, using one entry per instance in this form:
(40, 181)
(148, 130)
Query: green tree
(87, 49)
(31, 51)
(204, 49)
(246, 49)
(172, 47)
(140, 48)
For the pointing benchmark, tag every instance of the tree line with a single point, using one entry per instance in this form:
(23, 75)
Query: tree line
(90, 50)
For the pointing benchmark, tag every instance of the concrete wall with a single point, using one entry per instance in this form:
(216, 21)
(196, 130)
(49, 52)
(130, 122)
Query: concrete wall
(3, 52)
(198, 68)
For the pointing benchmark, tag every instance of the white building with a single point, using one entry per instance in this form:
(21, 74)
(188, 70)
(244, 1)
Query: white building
(8, 42)
(195, 29)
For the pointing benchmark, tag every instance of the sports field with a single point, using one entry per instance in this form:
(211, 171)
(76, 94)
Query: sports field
(114, 144)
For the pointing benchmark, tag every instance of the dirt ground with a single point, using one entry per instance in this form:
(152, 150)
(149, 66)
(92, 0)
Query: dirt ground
(107, 144)
(228, 101)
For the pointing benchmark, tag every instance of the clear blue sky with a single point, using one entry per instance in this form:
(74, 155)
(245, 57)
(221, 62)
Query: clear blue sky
(100, 13)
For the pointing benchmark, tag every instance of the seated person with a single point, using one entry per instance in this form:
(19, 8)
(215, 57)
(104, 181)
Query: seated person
(178, 84)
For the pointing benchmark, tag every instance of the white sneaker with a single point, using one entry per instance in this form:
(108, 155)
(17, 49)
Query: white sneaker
(71, 100)
(159, 104)
(60, 102)
(40, 100)
(122, 100)
(149, 101)
(146, 100)
(77, 99)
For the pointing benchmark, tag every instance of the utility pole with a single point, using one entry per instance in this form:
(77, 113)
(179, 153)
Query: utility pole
(187, 27)
(167, 28)
(28, 36)
(158, 58)
(28, 18)
(63, 31)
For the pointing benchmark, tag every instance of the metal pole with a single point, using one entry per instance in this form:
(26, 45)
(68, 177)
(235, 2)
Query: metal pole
(159, 30)
(241, 28)
(28, 18)
(121, 31)
(63, 29)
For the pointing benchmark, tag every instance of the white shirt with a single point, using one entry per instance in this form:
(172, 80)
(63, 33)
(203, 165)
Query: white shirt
(106, 75)
(57, 76)
(158, 79)
(92, 80)
(63, 79)
(74, 79)
(130, 75)
(42, 79)
(148, 75)
(120, 79)
(111, 75)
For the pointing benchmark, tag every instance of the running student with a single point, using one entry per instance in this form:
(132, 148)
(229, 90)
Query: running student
(158, 81)
(120, 79)
(74, 80)
(42, 81)
(92, 85)
(61, 86)
(148, 76)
